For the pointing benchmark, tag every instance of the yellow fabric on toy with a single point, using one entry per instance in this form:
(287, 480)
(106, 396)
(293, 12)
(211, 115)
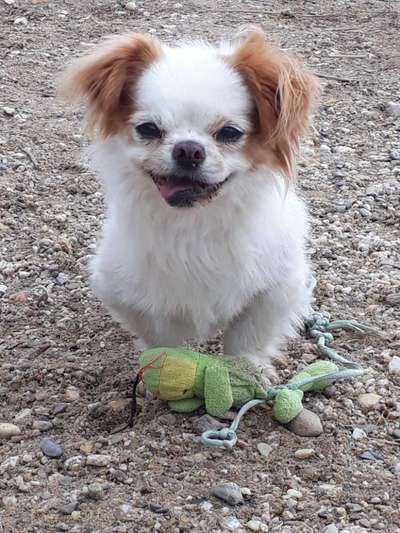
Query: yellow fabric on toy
(177, 378)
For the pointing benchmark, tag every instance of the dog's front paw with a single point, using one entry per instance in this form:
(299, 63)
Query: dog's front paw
(268, 373)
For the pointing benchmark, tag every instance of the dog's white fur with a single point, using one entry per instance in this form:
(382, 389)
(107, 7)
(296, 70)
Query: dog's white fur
(237, 263)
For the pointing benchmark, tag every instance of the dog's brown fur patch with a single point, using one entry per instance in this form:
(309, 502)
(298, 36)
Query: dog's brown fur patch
(105, 79)
(283, 92)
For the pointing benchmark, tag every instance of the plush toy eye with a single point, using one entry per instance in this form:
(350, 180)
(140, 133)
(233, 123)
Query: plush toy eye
(229, 134)
(149, 130)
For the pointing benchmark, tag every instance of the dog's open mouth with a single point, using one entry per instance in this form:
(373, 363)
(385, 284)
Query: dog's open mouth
(183, 191)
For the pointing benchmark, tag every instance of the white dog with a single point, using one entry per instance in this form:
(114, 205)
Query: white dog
(196, 147)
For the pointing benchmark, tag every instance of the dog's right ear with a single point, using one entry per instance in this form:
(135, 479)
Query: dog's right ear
(105, 80)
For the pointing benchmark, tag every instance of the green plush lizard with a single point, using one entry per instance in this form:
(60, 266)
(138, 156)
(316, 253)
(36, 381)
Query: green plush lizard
(188, 380)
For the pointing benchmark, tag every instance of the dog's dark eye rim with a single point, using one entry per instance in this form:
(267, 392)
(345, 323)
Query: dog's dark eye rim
(229, 134)
(149, 130)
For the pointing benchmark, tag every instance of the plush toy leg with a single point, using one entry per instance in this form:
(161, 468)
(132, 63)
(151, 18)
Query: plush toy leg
(217, 390)
(186, 405)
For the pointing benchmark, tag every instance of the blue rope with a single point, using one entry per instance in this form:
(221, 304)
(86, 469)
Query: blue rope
(320, 328)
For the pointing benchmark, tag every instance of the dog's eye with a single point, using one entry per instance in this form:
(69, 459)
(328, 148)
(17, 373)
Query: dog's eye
(229, 134)
(149, 130)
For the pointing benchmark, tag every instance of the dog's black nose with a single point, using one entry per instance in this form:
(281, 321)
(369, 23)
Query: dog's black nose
(188, 154)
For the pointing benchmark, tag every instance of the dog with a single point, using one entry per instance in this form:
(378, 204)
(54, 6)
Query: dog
(196, 146)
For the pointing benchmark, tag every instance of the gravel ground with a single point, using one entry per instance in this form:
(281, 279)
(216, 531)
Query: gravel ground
(65, 367)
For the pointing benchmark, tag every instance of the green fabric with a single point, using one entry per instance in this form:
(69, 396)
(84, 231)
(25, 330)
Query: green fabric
(217, 390)
(287, 405)
(316, 369)
(185, 406)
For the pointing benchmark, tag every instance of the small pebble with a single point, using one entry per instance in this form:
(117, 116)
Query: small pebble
(264, 449)
(95, 491)
(9, 111)
(23, 416)
(71, 394)
(330, 529)
(207, 423)
(206, 506)
(257, 525)
(126, 508)
(393, 108)
(61, 279)
(9, 501)
(394, 365)
(8, 430)
(371, 455)
(359, 434)
(368, 401)
(293, 493)
(69, 507)
(42, 425)
(50, 448)
(395, 155)
(304, 453)
(306, 424)
(21, 21)
(228, 492)
(98, 460)
(130, 6)
(59, 408)
(246, 492)
(231, 523)
(74, 462)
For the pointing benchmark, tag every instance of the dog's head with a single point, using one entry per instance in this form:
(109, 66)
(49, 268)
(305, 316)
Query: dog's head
(195, 116)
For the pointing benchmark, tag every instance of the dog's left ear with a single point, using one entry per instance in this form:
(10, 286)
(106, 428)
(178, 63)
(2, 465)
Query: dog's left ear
(283, 91)
(105, 80)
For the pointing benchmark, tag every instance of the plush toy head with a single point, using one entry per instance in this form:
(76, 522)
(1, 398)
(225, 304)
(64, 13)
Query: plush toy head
(169, 373)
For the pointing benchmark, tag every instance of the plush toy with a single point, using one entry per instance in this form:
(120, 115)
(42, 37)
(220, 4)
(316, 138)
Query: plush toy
(188, 380)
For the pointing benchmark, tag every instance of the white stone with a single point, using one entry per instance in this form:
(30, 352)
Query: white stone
(10, 111)
(71, 394)
(126, 508)
(394, 365)
(21, 20)
(293, 493)
(23, 415)
(330, 529)
(393, 109)
(304, 453)
(98, 459)
(264, 449)
(8, 430)
(359, 434)
(130, 6)
(256, 525)
(206, 506)
(231, 523)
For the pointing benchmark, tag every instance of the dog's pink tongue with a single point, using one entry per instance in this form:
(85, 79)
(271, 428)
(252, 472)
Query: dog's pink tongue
(168, 190)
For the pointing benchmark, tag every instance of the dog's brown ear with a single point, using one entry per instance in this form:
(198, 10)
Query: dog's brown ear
(283, 92)
(105, 80)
